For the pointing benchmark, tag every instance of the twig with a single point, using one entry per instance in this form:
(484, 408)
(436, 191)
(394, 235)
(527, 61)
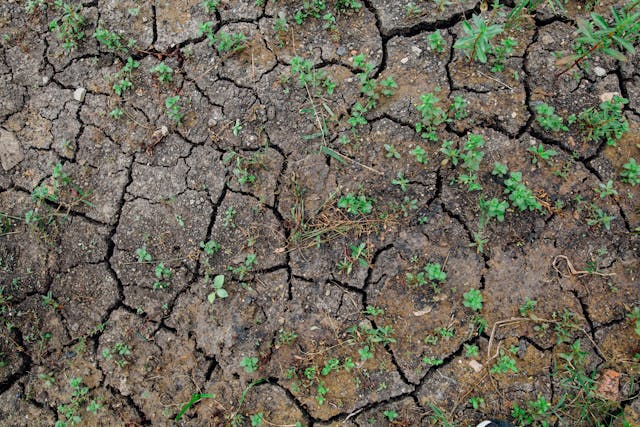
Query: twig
(575, 272)
(496, 80)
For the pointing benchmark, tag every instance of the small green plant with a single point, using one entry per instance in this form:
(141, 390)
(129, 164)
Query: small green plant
(613, 39)
(210, 6)
(471, 350)
(476, 44)
(504, 364)
(420, 154)
(400, 181)
(391, 415)
(605, 190)
(309, 77)
(330, 365)
(69, 25)
(229, 217)
(143, 255)
(250, 364)
(110, 40)
(437, 42)
(116, 113)
(527, 307)
(473, 299)
(210, 248)
(501, 52)
(365, 353)
(605, 123)
(218, 290)
(373, 311)
(548, 119)
(432, 361)
(172, 103)
(356, 205)
(256, 419)
(392, 153)
(499, 169)
(163, 72)
(163, 274)
(519, 194)
(540, 153)
(600, 217)
(476, 402)
(388, 85)
(225, 43)
(69, 413)
(432, 116)
(631, 172)
(243, 269)
(634, 315)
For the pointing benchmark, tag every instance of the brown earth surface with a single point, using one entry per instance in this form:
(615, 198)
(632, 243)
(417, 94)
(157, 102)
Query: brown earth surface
(204, 270)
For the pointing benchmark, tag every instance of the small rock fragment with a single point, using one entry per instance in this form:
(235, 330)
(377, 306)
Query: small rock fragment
(608, 96)
(416, 50)
(10, 151)
(404, 60)
(609, 385)
(475, 365)
(599, 71)
(546, 39)
(79, 94)
(341, 51)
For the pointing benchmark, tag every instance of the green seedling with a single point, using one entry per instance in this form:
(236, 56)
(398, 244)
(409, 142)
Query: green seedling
(210, 6)
(225, 43)
(473, 299)
(218, 290)
(195, 398)
(504, 364)
(607, 189)
(432, 116)
(400, 181)
(250, 364)
(163, 72)
(163, 274)
(143, 255)
(540, 153)
(420, 154)
(527, 307)
(548, 119)
(69, 25)
(519, 194)
(605, 123)
(600, 217)
(356, 205)
(614, 37)
(437, 42)
(471, 350)
(210, 248)
(476, 44)
(109, 39)
(116, 113)
(501, 52)
(388, 85)
(631, 172)
(391, 415)
(172, 103)
(245, 268)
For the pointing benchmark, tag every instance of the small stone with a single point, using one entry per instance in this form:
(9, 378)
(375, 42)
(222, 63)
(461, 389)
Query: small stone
(546, 39)
(79, 94)
(341, 51)
(599, 71)
(10, 151)
(416, 50)
(608, 96)
(404, 60)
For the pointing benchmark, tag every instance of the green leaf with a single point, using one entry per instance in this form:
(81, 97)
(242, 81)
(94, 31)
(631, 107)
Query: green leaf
(222, 293)
(218, 281)
(211, 297)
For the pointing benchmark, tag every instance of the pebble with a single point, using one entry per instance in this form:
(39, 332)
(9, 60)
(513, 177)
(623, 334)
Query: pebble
(546, 39)
(599, 71)
(79, 94)
(416, 50)
(341, 51)
(404, 60)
